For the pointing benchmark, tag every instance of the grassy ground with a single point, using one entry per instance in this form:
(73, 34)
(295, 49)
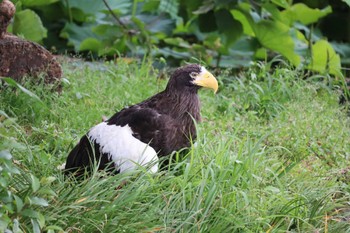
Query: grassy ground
(272, 156)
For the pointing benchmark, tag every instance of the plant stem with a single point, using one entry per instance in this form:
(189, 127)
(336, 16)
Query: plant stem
(114, 15)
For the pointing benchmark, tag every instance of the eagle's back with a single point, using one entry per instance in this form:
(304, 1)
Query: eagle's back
(135, 136)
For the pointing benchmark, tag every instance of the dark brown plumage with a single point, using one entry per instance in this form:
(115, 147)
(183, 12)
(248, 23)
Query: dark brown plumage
(164, 122)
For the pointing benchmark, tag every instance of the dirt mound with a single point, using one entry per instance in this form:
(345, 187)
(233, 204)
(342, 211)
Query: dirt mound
(20, 58)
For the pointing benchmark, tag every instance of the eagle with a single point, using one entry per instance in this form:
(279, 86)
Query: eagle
(143, 133)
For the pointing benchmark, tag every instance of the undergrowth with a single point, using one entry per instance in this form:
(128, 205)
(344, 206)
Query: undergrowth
(271, 156)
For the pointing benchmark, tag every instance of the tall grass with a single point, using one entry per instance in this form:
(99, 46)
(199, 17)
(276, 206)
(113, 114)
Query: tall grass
(271, 156)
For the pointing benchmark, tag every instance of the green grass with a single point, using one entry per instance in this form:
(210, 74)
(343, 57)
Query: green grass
(272, 155)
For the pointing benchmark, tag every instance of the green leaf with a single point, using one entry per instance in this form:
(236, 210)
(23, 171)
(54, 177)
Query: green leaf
(207, 6)
(207, 22)
(324, 58)
(302, 13)
(92, 7)
(5, 154)
(261, 53)
(157, 24)
(107, 30)
(347, 2)
(28, 24)
(90, 44)
(4, 222)
(170, 6)
(169, 52)
(36, 227)
(274, 11)
(76, 34)
(41, 220)
(16, 226)
(37, 2)
(19, 203)
(242, 18)
(35, 183)
(4, 114)
(150, 6)
(13, 83)
(47, 180)
(281, 3)
(275, 36)
(54, 228)
(30, 213)
(177, 41)
(231, 28)
(38, 201)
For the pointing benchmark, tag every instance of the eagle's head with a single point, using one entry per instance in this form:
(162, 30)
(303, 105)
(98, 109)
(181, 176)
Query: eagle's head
(190, 78)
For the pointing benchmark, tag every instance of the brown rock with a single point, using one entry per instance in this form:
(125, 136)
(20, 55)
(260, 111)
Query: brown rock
(7, 10)
(20, 58)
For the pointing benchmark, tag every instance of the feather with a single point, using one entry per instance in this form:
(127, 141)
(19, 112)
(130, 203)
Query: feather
(141, 134)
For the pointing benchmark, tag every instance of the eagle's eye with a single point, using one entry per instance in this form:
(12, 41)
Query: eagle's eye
(193, 75)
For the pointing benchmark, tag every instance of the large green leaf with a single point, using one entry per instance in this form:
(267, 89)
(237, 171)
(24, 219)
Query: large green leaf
(281, 3)
(206, 6)
(5, 154)
(90, 44)
(206, 22)
(274, 11)
(92, 7)
(170, 6)
(275, 36)
(302, 13)
(324, 59)
(150, 6)
(231, 28)
(157, 24)
(37, 2)
(28, 24)
(37, 201)
(76, 34)
(177, 41)
(244, 20)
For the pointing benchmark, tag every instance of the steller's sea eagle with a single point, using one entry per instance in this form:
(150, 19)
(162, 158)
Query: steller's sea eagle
(139, 135)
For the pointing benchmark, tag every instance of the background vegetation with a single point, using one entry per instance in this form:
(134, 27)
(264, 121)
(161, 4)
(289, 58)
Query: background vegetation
(225, 33)
(273, 148)
(272, 156)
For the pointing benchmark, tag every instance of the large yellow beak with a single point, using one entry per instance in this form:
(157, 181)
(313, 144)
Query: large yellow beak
(206, 79)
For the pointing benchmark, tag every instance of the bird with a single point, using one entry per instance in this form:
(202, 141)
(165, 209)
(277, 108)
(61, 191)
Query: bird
(143, 133)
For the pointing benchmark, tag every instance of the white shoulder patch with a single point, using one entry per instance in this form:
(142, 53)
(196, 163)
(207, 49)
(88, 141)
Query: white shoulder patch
(126, 151)
(203, 69)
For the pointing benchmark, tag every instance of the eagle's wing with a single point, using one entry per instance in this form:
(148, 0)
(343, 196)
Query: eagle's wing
(130, 138)
(162, 132)
(83, 155)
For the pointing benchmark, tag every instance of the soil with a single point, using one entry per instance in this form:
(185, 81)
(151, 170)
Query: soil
(20, 58)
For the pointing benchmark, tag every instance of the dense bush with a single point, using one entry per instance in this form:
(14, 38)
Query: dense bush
(226, 33)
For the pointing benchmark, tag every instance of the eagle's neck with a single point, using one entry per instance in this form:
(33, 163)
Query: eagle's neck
(185, 106)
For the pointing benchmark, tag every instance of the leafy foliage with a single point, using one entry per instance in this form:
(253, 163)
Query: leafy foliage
(20, 26)
(226, 33)
(330, 63)
(23, 196)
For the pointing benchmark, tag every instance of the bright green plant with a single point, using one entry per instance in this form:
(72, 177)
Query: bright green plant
(26, 22)
(225, 33)
(23, 196)
(271, 26)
